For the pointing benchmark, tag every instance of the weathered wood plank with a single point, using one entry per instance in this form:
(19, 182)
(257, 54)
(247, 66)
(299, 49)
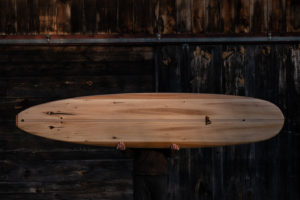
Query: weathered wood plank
(184, 16)
(76, 86)
(293, 15)
(67, 194)
(198, 16)
(63, 17)
(166, 16)
(277, 16)
(213, 16)
(8, 18)
(90, 16)
(229, 13)
(22, 13)
(65, 171)
(76, 17)
(202, 68)
(169, 68)
(144, 16)
(293, 98)
(259, 16)
(26, 69)
(66, 189)
(233, 70)
(201, 173)
(242, 18)
(107, 16)
(63, 54)
(125, 16)
(265, 68)
(47, 17)
(48, 150)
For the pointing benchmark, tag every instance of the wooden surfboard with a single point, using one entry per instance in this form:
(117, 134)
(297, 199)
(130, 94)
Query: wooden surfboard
(154, 120)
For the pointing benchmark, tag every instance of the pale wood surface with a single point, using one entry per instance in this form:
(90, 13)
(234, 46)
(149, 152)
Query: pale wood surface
(154, 120)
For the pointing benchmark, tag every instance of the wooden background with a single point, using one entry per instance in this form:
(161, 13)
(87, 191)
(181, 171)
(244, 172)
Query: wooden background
(37, 168)
(253, 17)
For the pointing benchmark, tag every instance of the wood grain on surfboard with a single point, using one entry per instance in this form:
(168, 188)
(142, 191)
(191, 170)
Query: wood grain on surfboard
(154, 120)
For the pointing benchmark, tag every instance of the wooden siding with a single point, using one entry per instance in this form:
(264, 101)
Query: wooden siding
(33, 167)
(231, 17)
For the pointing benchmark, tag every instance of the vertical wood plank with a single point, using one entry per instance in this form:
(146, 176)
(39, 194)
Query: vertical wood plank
(217, 173)
(107, 16)
(144, 16)
(201, 67)
(185, 68)
(233, 70)
(34, 23)
(22, 13)
(259, 16)
(242, 18)
(198, 16)
(185, 176)
(202, 173)
(239, 161)
(174, 186)
(77, 16)
(284, 141)
(125, 16)
(277, 16)
(213, 16)
(250, 71)
(293, 15)
(169, 64)
(3, 5)
(63, 17)
(228, 13)
(168, 60)
(8, 18)
(204, 77)
(265, 68)
(296, 68)
(90, 10)
(166, 16)
(47, 17)
(184, 16)
(293, 91)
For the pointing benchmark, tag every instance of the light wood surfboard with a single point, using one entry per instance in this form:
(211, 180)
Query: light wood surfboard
(154, 120)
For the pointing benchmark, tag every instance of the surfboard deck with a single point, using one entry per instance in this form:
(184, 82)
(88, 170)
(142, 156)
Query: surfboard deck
(154, 120)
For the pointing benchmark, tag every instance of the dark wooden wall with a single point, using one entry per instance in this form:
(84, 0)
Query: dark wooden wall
(253, 17)
(37, 168)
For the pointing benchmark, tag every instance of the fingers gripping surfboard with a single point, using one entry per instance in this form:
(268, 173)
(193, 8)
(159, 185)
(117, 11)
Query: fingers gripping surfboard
(154, 120)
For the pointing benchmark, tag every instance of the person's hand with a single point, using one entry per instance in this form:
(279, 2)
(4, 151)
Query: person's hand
(174, 147)
(121, 146)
